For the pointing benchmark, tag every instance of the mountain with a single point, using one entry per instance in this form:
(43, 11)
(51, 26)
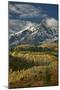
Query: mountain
(34, 33)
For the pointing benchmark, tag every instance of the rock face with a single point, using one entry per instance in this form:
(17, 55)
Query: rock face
(33, 33)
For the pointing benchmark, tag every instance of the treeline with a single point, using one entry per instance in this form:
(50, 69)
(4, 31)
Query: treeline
(19, 63)
(32, 49)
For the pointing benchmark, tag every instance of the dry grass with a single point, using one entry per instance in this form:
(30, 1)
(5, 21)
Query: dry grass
(29, 68)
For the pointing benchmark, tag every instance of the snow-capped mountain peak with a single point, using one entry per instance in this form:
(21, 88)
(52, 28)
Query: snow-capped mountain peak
(34, 33)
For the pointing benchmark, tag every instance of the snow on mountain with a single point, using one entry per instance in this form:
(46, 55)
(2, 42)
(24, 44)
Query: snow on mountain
(28, 27)
(34, 33)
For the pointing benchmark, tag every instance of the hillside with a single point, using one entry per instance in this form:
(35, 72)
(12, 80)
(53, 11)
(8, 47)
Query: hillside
(31, 65)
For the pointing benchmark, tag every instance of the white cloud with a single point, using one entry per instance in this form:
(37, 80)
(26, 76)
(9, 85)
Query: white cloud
(13, 9)
(50, 23)
(25, 10)
(17, 25)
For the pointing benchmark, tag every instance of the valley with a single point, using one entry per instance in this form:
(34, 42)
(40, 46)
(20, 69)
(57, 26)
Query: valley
(31, 65)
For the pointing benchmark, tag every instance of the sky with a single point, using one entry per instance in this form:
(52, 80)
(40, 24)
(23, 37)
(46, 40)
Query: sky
(32, 12)
(22, 15)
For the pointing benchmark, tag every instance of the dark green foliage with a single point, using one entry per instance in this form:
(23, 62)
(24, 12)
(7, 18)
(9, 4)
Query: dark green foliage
(19, 63)
(34, 49)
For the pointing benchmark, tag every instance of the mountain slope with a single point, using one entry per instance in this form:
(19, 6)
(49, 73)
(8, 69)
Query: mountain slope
(36, 33)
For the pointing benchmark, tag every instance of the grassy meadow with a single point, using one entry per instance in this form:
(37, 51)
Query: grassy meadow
(33, 65)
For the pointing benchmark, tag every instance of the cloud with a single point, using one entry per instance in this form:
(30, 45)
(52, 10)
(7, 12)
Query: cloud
(17, 25)
(25, 10)
(50, 23)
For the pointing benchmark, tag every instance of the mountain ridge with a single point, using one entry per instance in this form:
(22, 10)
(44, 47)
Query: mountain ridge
(46, 30)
